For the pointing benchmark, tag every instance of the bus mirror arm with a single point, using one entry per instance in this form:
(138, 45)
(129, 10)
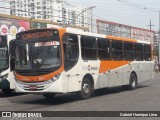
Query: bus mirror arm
(69, 52)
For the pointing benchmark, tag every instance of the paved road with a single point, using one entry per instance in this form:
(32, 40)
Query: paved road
(145, 97)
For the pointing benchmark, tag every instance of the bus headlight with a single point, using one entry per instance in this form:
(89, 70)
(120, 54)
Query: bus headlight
(56, 77)
(18, 81)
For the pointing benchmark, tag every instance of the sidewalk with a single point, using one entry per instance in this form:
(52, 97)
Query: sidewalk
(156, 72)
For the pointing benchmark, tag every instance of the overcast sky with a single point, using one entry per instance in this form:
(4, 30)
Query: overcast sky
(133, 14)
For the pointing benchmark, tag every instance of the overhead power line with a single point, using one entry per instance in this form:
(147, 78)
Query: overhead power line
(138, 6)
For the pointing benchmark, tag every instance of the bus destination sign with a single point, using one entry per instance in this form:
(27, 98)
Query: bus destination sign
(37, 34)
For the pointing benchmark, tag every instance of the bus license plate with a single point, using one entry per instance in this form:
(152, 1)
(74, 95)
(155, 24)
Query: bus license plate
(33, 87)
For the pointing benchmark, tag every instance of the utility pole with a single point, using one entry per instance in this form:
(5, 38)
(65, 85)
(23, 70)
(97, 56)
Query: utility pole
(150, 25)
(92, 17)
(159, 22)
(159, 42)
(63, 18)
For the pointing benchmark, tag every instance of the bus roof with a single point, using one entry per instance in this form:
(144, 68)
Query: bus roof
(107, 36)
(97, 35)
(85, 33)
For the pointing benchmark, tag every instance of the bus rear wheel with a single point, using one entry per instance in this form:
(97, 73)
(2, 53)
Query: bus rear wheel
(86, 89)
(49, 95)
(133, 81)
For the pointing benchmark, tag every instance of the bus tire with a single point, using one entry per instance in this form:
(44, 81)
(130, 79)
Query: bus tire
(86, 89)
(49, 95)
(7, 91)
(133, 81)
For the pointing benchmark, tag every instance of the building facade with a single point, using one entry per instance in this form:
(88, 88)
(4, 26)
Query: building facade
(52, 10)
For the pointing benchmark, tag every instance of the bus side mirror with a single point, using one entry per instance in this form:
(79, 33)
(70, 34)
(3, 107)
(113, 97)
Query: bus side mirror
(69, 52)
(12, 54)
(12, 49)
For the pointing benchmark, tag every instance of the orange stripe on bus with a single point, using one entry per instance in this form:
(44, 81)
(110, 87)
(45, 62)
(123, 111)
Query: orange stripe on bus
(121, 39)
(62, 31)
(39, 78)
(110, 65)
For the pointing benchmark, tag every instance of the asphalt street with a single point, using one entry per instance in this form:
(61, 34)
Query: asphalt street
(145, 98)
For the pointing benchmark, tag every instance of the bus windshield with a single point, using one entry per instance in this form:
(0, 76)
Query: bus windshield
(3, 57)
(37, 55)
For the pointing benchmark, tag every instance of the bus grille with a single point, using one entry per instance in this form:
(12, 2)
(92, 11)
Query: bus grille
(34, 86)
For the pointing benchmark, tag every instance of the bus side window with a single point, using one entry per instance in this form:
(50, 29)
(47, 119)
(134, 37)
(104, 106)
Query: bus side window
(88, 48)
(147, 52)
(138, 51)
(117, 53)
(104, 52)
(128, 51)
(71, 50)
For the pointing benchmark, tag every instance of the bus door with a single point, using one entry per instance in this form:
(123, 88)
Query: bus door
(71, 64)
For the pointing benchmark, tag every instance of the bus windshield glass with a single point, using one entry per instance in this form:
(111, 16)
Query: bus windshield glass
(38, 53)
(3, 57)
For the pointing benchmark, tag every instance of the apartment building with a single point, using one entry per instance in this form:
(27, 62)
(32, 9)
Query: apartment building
(52, 10)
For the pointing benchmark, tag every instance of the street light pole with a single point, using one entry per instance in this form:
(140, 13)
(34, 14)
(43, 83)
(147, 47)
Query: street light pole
(92, 17)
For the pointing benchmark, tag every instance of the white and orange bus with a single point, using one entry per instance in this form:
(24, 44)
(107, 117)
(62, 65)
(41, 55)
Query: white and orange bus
(51, 61)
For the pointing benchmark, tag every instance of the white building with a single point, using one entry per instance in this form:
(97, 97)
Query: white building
(52, 10)
(37, 9)
(4, 7)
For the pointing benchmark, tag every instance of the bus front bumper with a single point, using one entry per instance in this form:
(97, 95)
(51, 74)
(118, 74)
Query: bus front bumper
(42, 87)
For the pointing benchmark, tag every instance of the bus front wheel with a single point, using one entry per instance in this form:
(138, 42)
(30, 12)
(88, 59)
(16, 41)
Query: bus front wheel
(49, 95)
(7, 91)
(86, 89)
